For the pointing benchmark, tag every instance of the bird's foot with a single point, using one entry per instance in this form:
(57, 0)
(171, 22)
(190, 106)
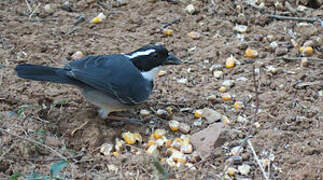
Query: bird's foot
(124, 119)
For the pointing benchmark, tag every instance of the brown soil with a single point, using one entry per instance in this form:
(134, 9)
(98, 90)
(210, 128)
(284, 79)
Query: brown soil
(290, 111)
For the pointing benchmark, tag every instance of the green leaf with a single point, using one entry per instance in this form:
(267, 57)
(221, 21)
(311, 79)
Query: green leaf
(14, 176)
(55, 168)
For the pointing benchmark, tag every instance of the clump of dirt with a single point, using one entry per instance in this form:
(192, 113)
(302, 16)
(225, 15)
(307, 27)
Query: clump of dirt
(286, 131)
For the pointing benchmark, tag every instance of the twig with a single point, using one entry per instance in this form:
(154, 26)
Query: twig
(35, 142)
(33, 12)
(256, 91)
(291, 18)
(175, 21)
(252, 4)
(257, 159)
(78, 128)
(28, 5)
(300, 58)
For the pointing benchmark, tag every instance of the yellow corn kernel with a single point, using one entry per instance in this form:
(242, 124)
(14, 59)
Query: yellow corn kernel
(251, 53)
(230, 62)
(158, 133)
(173, 125)
(307, 51)
(168, 143)
(187, 148)
(198, 113)
(151, 142)
(119, 144)
(238, 105)
(177, 143)
(231, 171)
(222, 89)
(129, 137)
(153, 150)
(194, 35)
(178, 157)
(137, 137)
(168, 32)
(96, 20)
(226, 97)
(116, 153)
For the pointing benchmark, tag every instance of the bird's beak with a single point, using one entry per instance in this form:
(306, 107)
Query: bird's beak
(172, 60)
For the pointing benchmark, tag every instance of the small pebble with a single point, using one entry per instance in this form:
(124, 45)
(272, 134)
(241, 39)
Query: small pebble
(194, 35)
(237, 160)
(244, 169)
(144, 112)
(77, 55)
(184, 128)
(236, 150)
(182, 81)
(106, 148)
(228, 83)
(190, 9)
(240, 28)
(218, 74)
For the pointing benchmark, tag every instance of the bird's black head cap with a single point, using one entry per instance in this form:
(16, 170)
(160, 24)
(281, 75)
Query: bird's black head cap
(151, 56)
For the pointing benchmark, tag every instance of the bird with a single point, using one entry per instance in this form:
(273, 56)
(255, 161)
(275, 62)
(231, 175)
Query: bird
(115, 82)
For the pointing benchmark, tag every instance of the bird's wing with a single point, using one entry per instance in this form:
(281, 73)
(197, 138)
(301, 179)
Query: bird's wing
(114, 75)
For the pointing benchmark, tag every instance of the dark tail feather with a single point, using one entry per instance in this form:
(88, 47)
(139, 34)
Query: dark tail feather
(44, 73)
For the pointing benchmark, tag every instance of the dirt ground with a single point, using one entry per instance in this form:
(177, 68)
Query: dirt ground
(287, 130)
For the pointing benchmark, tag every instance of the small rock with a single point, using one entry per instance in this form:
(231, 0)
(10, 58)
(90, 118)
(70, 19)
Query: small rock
(237, 160)
(304, 62)
(52, 141)
(240, 28)
(236, 150)
(244, 169)
(198, 122)
(281, 51)
(49, 8)
(184, 128)
(241, 119)
(228, 83)
(301, 8)
(242, 79)
(272, 69)
(218, 67)
(118, 3)
(106, 148)
(218, 74)
(273, 45)
(144, 112)
(211, 115)
(182, 81)
(112, 168)
(231, 171)
(190, 9)
(162, 113)
(245, 156)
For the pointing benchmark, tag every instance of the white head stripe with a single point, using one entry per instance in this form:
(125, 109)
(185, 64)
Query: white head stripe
(141, 53)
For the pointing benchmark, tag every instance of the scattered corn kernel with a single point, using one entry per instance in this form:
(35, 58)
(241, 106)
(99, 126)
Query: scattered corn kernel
(177, 143)
(225, 120)
(231, 171)
(161, 73)
(187, 148)
(223, 89)
(230, 62)
(129, 137)
(190, 9)
(238, 105)
(257, 124)
(151, 142)
(158, 133)
(198, 113)
(173, 125)
(168, 32)
(161, 141)
(116, 153)
(178, 156)
(152, 150)
(170, 110)
(307, 50)
(119, 144)
(251, 53)
(194, 35)
(171, 162)
(168, 143)
(137, 137)
(144, 112)
(226, 97)
(304, 62)
(98, 18)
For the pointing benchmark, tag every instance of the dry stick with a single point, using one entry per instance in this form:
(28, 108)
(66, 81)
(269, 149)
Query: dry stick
(256, 91)
(291, 18)
(35, 142)
(257, 159)
(28, 5)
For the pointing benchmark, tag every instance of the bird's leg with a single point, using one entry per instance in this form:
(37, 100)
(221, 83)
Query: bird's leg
(104, 114)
